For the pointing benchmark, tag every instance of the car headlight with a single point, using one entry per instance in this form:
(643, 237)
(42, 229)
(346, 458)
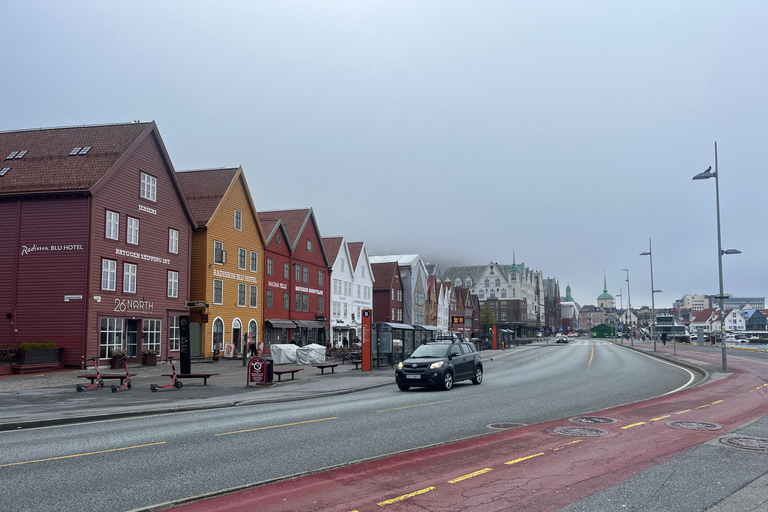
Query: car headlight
(435, 366)
(399, 366)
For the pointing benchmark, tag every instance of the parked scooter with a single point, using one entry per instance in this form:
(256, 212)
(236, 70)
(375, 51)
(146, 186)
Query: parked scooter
(98, 382)
(127, 382)
(174, 382)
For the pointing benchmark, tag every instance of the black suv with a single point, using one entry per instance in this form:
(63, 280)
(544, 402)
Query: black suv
(439, 365)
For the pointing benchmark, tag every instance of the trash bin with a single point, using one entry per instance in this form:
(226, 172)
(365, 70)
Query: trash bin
(270, 367)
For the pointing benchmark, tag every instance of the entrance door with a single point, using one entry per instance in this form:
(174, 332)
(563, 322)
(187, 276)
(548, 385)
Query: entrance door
(236, 336)
(131, 338)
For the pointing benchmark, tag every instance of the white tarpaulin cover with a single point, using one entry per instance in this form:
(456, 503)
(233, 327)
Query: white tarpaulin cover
(290, 353)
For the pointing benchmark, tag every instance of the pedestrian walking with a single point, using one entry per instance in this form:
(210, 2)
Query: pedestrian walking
(664, 338)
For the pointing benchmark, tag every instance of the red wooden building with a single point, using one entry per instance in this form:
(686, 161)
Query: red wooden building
(297, 298)
(96, 241)
(387, 293)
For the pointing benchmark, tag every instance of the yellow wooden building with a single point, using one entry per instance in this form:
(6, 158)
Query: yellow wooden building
(227, 261)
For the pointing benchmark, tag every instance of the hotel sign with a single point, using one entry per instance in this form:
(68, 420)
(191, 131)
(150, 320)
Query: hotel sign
(234, 275)
(27, 249)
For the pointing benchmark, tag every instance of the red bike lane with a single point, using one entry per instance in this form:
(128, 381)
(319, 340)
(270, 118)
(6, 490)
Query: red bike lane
(532, 468)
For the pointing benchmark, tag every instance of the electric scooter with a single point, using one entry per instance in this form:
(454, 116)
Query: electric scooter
(97, 382)
(127, 383)
(174, 382)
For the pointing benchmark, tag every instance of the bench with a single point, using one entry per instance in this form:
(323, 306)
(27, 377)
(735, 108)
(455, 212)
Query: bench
(203, 376)
(356, 362)
(105, 376)
(322, 367)
(280, 373)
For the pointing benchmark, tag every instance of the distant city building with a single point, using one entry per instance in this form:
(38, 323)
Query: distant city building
(590, 316)
(569, 312)
(693, 303)
(605, 299)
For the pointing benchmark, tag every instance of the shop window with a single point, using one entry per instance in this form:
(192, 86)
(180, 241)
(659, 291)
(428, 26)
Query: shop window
(217, 342)
(174, 334)
(150, 333)
(110, 336)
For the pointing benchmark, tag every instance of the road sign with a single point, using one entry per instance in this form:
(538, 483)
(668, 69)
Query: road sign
(196, 304)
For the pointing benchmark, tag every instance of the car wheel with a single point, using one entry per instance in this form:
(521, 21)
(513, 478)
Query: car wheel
(447, 381)
(478, 376)
(403, 388)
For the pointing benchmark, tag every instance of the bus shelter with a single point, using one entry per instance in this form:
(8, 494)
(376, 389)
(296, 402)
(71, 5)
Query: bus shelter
(423, 334)
(389, 342)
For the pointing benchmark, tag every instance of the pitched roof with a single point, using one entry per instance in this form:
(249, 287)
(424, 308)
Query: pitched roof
(383, 274)
(332, 245)
(204, 190)
(47, 165)
(703, 315)
(355, 248)
(294, 221)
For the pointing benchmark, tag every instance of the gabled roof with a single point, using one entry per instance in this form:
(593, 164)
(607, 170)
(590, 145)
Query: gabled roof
(703, 316)
(48, 167)
(354, 248)
(383, 274)
(294, 222)
(204, 190)
(332, 245)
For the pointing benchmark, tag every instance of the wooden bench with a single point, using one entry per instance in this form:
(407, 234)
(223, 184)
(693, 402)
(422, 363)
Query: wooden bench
(105, 376)
(280, 373)
(203, 376)
(322, 367)
(356, 362)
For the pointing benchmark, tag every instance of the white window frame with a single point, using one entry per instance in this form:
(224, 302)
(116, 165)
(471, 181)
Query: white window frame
(251, 296)
(241, 294)
(238, 220)
(173, 284)
(152, 334)
(241, 258)
(221, 287)
(220, 245)
(132, 231)
(174, 334)
(108, 275)
(110, 336)
(254, 261)
(129, 277)
(270, 266)
(112, 230)
(309, 245)
(148, 187)
(173, 241)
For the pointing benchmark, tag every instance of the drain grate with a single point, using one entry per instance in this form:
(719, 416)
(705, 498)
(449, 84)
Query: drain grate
(694, 425)
(592, 420)
(580, 431)
(505, 426)
(758, 444)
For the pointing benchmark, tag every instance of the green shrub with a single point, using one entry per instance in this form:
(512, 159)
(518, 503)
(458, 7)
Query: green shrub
(24, 346)
(28, 346)
(50, 344)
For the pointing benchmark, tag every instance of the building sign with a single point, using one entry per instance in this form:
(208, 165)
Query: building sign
(273, 284)
(68, 298)
(234, 275)
(147, 209)
(27, 249)
(257, 371)
(139, 256)
(123, 305)
(308, 290)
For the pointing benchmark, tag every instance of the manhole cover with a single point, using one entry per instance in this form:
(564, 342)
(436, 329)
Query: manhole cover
(694, 425)
(592, 420)
(759, 444)
(503, 426)
(580, 431)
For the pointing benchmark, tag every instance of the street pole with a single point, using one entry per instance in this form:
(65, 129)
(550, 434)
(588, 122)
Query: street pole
(653, 293)
(629, 309)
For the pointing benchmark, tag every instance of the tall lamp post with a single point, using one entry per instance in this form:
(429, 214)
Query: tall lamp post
(621, 306)
(629, 309)
(653, 292)
(704, 176)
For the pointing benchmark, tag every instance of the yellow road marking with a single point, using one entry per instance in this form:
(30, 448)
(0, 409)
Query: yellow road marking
(713, 403)
(411, 406)
(633, 425)
(521, 459)
(591, 355)
(702, 406)
(661, 417)
(275, 426)
(566, 444)
(471, 475)
(682, 412)
(405, 496)
(80, 455)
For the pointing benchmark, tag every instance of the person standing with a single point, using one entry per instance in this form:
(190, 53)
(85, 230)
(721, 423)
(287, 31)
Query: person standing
(664, 338)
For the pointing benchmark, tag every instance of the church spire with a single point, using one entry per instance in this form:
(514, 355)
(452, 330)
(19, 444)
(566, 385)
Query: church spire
(605, 283)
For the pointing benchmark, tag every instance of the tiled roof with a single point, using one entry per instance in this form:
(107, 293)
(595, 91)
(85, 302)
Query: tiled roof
(292, 219)
(204, 190)
(383, 274)
(48, 167)
(332, 245)
(355, 248)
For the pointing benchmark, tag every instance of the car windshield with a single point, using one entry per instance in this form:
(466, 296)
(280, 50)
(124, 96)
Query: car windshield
(430, 351)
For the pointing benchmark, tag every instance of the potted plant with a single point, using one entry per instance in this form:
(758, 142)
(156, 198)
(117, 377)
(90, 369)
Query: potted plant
(149, 357)
(37, 353)
(117, 358)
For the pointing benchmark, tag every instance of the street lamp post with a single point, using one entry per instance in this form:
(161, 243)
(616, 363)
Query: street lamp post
(704, 176)
(629, 309)
(621, 306)
(653, 293)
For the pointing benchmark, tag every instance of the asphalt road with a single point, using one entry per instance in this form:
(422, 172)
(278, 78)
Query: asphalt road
(130, 463)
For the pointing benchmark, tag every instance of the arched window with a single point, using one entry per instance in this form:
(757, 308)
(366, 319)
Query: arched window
(218, 334)
(253, 331)
(237, 333)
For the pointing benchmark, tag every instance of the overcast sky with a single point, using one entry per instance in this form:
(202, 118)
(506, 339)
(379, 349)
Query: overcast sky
(567, 132)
